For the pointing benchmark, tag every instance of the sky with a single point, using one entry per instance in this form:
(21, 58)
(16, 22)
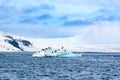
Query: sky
(91, 21)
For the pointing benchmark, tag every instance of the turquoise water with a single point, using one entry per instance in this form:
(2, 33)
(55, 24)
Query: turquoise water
(91, 66)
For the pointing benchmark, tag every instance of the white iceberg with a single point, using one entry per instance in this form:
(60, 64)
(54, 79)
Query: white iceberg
(50, 52)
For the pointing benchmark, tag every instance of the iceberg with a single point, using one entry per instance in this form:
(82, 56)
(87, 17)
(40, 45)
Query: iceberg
(50, 52)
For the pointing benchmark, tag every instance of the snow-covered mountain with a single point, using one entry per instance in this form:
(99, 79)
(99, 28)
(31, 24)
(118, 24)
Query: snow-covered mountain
(10, 43)
(13, 43)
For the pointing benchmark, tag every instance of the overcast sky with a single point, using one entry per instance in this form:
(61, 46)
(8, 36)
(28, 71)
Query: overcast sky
(94, 21)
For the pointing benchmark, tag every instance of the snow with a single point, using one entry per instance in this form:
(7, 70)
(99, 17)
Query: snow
(4, 46)
(50, 52)
(70, 43)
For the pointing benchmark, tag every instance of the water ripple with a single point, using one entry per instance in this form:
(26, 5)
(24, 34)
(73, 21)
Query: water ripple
(89, 67)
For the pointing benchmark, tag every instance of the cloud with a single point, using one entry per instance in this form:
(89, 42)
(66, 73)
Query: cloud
(75, 10)
(76, 23)
(105, 15)
(62, 18)
(100, 15)
(40, 19)
(47, 7)
(38, 8)
(44, 16)
(36, 30)
(102, 33)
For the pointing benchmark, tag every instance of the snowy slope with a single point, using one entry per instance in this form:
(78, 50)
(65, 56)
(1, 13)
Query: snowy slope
(10, 42)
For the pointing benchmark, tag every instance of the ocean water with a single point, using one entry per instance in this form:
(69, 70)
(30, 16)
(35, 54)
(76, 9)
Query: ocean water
(91, 66)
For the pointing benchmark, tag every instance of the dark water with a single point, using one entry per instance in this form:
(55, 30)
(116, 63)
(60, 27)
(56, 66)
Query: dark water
(92, 66)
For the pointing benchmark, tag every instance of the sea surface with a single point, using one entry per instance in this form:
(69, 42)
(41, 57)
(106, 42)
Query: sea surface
(91, 66)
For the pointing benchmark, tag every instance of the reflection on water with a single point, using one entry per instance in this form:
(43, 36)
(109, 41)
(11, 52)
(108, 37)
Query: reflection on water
(15, 66)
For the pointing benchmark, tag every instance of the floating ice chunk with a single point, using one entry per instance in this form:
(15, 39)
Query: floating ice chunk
(50, 52)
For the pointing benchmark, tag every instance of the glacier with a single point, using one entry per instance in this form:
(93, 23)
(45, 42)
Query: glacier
(12, 43)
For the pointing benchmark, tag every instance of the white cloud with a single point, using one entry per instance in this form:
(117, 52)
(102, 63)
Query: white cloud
(65, 6)
(101, 33)
(73, 10)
